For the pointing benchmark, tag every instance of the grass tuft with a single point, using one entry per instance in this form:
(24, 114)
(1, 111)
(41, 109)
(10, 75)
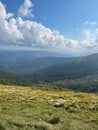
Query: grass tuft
(26, 108)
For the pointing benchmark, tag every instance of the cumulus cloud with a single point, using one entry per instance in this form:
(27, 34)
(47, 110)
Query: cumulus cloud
(90, 40)
(9, 32)
(30, 34)
(37, 35)
(25, 9)
(3, 14)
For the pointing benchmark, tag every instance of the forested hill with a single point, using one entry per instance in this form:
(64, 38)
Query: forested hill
(9, 57)
(30, 66)
(26, 62)
(81, 67)
(73, 73)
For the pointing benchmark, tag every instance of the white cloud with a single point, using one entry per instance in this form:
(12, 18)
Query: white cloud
(91, 23)
(37, 35)
(90, 40)
(3, 14)
(9, 32)
(25, 9)
(9, 15)
(30, 34)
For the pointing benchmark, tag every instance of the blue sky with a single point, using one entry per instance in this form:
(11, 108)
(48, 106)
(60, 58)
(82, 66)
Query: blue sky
(62, 15)
(72, 23)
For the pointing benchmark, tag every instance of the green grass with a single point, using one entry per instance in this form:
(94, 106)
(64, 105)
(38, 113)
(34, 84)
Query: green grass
(26, 108)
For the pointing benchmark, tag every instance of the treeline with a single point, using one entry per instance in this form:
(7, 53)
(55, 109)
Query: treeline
(8, 79)
(61, 73)
(86, 84)
(77, 69)
(79, 75)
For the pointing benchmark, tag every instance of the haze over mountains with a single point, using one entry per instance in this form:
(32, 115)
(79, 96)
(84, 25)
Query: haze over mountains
(76, 68)
(30, 61)
(12, 56)
(28, 67)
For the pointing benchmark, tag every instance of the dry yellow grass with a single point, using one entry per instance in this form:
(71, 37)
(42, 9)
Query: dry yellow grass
(26, 108)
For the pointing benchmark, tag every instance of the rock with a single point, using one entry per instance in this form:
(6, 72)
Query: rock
(58, 105)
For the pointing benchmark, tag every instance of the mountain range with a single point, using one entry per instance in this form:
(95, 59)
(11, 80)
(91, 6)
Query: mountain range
(76, 68)
(27, 68)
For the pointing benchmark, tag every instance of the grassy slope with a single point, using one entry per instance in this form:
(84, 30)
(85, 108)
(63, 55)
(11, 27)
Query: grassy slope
(25, 108)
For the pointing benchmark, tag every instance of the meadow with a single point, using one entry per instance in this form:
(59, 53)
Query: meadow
(34, 108)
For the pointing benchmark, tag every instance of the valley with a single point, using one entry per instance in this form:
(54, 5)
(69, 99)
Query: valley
(27, 69)
(49, 65)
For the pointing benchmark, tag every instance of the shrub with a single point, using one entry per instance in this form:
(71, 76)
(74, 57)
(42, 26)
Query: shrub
(41, 126)
(54, 120)
(1, 127)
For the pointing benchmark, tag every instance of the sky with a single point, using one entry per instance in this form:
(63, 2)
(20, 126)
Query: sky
(66, 26)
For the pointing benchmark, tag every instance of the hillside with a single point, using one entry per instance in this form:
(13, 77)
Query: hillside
(26, 108)
(9, 57)
(26, 62)
(77, 69)
(30, 66)
(85, 84)
(9, 79)
(79, 74)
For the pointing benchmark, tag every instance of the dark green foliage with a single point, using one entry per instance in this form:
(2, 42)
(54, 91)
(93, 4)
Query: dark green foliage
(81, 75)
(1, 127)
(86, 84)
(40, 127)
(9, 79)
(80, 68)
(54, 120)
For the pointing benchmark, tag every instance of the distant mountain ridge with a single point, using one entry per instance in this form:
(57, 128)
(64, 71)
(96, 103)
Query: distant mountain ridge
(76, 73)
(30, 66)
(7, 57)
(76, 69)
(22, 62)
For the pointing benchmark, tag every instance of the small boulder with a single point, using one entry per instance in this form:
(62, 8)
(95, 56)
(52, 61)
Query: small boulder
(58, 105)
